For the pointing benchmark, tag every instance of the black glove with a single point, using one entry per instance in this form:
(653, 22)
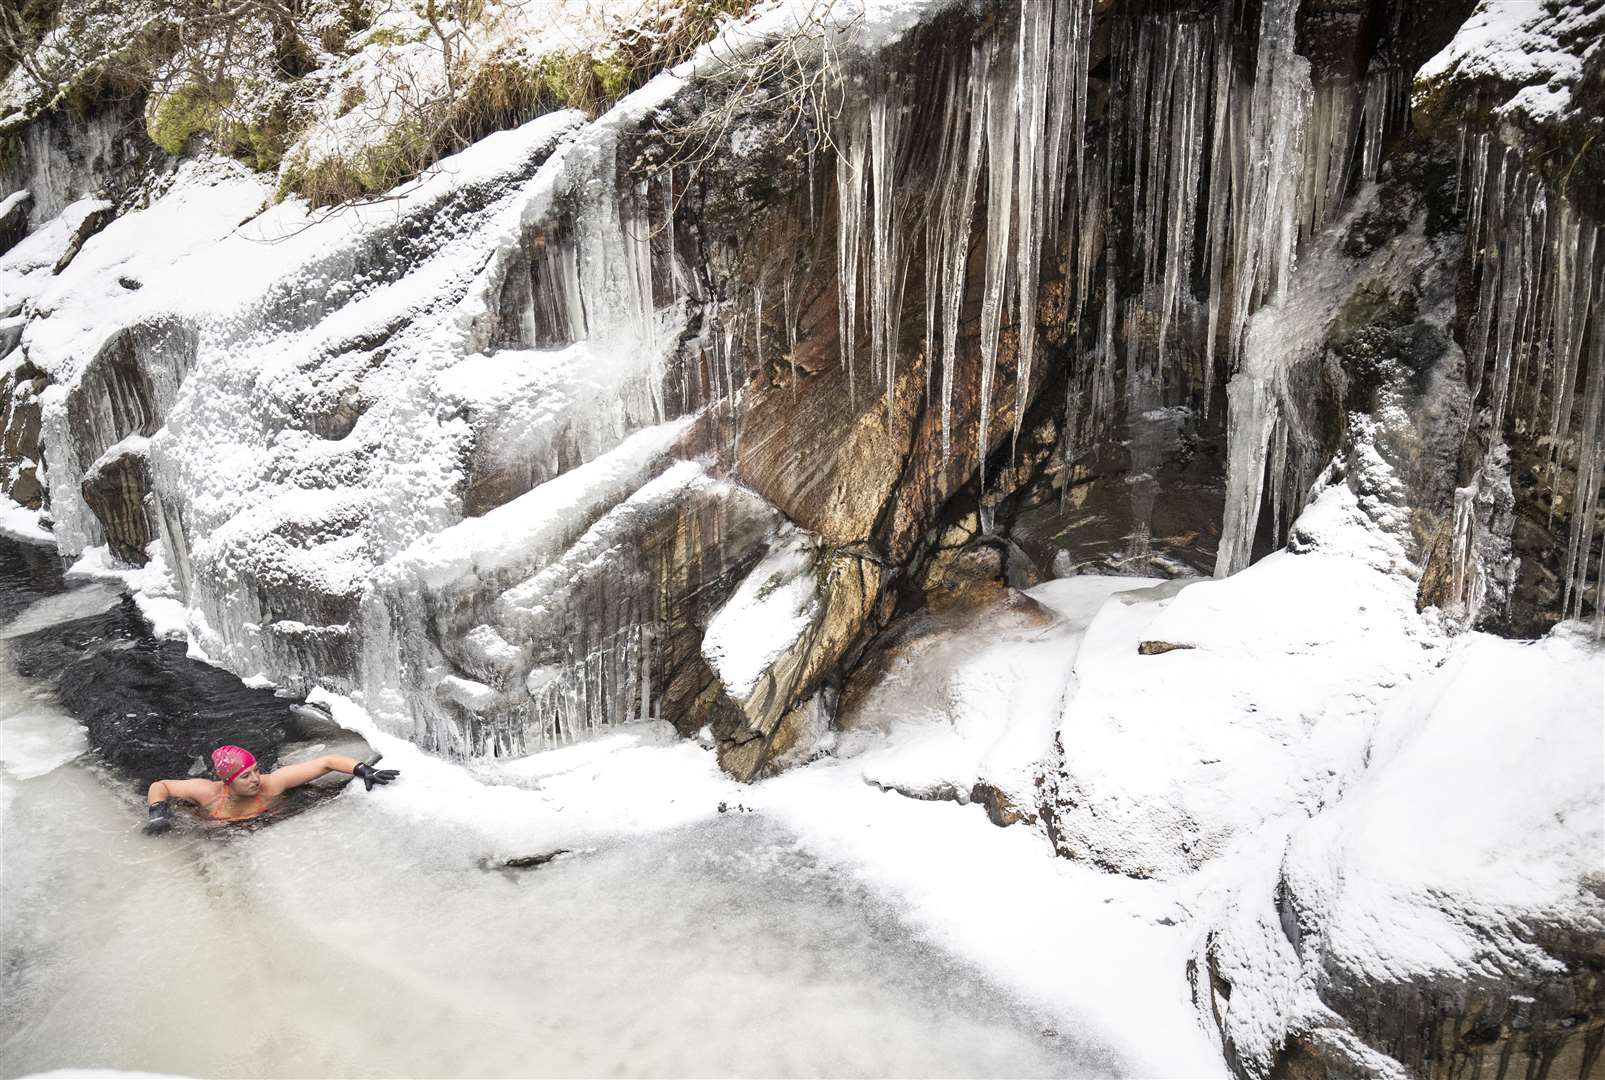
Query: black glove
(371, 776)
(161, 817)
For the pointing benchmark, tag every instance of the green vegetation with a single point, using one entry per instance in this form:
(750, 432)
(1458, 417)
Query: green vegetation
(389, 35)
(235, 77)
(173, 118)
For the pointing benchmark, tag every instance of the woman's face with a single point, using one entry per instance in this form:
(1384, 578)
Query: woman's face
(248, 783)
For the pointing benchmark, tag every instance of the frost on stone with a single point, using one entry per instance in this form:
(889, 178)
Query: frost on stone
(1359, 906)
(1171, 759)
(774, 605)
(1534, 51)
(976, 703)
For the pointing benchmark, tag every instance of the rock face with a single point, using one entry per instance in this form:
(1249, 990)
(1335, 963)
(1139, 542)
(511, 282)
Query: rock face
(720, 407)
(69, 154)
(1531, 77)
(14, 222)
(19, 434)
(875, 412)
(117, 489)
(1454, 963)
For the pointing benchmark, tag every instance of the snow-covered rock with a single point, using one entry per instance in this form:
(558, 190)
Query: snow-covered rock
(1449, 910)
(1203, 718)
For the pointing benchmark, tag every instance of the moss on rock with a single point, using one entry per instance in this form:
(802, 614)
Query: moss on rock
(172, 119)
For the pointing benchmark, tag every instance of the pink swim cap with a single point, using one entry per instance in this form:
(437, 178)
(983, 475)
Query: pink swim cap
(230, 761)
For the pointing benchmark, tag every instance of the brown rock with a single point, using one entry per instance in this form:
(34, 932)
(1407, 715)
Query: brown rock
(26, 490)
(971, 577)
(850, 587)
(1000, 810)
(1154, 648)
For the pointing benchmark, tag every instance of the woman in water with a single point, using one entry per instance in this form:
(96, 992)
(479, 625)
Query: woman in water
(242, 791)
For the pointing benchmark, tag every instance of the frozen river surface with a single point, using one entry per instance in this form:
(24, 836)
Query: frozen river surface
(368, 937)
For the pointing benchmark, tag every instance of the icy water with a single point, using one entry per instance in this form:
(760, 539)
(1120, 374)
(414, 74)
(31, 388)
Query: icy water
(350, 941)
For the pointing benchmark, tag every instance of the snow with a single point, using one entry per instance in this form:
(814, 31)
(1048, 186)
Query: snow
(1476, 829)
(1513, 40)
(770, 610)
(1165, 775)
(1102, 954)
(27, 267)
(152, 587)
(633, 779)
(21, 523)
(1426, 800)
(36, 737)
(136, 445)
(536, 525)
(1501, 734)
(978, 700)
(1537, 49)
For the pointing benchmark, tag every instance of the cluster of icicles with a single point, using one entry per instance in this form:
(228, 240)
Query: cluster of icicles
(1263, 163)
(1536, 340)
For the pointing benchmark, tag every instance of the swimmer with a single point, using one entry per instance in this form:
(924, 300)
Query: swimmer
(242, 791)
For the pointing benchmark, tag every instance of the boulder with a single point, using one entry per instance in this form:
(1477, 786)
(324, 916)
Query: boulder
(95, 218)
(14, 211)
(20, 424)
(1395, 937)
(117, 489)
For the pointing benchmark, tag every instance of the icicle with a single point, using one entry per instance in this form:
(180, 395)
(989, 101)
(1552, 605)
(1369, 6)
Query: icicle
(1538, 331)
(1266, 239)
(757, 321)
(791, 328)
(1384, 90)
(1252, 414)
(675, 269)
(1217, 229)
(1460, 170)
(1590, 465)
(646, 673)
(1569, 350)
(1513, 287)
(1103, 386)
(1192, 90)
(960, 216)
(937, 213)
(1001, 128)
(886, 242)
(1329, 150)
(1031, 110)
(1067, 106)
(850, 184)
(1477, 354)
(1466, 584)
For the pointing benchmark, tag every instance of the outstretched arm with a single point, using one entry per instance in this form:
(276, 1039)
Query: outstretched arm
(304, 772)
(280, 780)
